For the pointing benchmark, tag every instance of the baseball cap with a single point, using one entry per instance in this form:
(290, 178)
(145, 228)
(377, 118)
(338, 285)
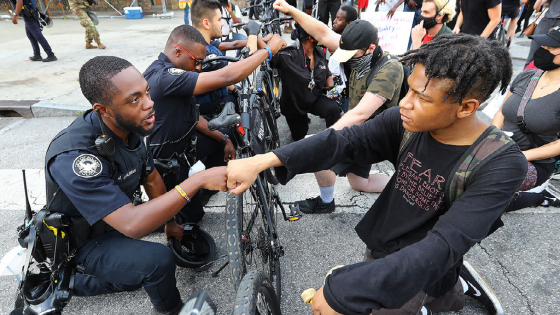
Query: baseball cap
(551, 39)
(357, 35)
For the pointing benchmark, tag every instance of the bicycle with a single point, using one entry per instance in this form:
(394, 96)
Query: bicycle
(267, 15)
(251, 217)
(256, 296)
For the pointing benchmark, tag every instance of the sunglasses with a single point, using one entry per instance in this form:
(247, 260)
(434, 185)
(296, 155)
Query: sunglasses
(197, 62)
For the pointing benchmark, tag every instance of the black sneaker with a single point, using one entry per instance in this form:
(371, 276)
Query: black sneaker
(175, 311)
(36, 58)
(480, 290)
(315, 205)
(50, 58)
(552, 200)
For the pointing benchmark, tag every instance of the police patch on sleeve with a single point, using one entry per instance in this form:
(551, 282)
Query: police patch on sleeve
(175, 71)
(87, 166)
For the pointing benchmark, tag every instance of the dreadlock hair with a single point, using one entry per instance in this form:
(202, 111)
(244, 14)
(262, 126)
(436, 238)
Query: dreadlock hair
(186, 34)
(351, 13)
(474, 65)
(203, 9)
(95, 78)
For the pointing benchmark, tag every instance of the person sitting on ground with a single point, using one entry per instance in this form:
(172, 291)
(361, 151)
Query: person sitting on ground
(84, 183)
(550, 19)
(358, 48)
(174, 80)
(305, 78)
(427, 218)
(540, 117)
(479, 17)
(435, 13)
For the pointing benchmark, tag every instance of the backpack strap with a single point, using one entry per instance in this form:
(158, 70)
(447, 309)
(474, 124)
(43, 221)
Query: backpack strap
(490, 144)
(374, 70)
(405, 142)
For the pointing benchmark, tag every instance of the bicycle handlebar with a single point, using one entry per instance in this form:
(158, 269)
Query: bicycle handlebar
(218, 58)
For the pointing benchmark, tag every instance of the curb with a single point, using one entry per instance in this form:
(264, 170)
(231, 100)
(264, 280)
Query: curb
(56, 110)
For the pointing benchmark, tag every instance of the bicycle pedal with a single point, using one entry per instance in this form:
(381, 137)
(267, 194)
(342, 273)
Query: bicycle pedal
(295, 213)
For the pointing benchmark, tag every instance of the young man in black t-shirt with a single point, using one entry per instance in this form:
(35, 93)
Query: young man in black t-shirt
(415, 235)
(479, 17)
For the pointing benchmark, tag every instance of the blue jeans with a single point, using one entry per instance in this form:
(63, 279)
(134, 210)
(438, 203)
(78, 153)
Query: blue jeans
(414, 22)
(36, 37)
(186, 16)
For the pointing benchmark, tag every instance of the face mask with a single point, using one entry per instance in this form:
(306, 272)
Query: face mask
(544, 60)
(428, 22)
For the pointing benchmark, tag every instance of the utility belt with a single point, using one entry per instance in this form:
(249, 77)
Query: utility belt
(170, 169)
(209, 97)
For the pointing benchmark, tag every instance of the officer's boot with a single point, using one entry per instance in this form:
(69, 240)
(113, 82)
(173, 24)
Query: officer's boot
(89, 45)
(101, 46)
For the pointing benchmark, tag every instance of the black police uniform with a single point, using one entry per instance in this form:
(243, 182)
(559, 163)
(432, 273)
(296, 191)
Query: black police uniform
(176, 115)
(298, 99)
(81, 183)
(32, 28)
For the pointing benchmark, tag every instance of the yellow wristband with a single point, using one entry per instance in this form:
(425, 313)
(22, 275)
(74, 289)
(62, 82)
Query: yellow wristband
(183, 193)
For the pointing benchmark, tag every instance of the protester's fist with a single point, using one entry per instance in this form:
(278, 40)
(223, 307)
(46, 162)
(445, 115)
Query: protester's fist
(282, 6)
(214, 178)
(276, 43)
(252, 28)
(241, 174)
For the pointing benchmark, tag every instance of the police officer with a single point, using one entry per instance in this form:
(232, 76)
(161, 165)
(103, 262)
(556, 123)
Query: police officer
(28, 10)
(80, 10)
(174, 80)
(90, 182)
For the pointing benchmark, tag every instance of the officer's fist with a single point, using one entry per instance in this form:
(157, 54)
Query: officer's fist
(214, 178)
(276, 43)
(252, 28)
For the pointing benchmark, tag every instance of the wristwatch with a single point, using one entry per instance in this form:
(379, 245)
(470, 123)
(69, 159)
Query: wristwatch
(224, 139)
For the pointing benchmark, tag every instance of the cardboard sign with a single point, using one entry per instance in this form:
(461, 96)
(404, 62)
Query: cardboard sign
(394, 32)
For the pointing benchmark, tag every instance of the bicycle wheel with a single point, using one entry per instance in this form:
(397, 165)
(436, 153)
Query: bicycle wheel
(255, 296)
(249, 244)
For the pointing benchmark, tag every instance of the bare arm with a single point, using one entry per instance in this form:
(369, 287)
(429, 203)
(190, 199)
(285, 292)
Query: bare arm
(394, 9)
(459, 23)
(366, 107)
(498, 120)
(543, 152)
(17, 10)
(315, 28)
(138, 221)
(154, 185)
(229, 8)
(539, 4)
(495, 15)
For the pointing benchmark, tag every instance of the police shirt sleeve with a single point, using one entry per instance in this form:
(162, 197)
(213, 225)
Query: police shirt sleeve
(86, 180)
(387, 80)
(178, 82)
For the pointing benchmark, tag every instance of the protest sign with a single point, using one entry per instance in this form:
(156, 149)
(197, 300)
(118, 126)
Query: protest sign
(394, 32)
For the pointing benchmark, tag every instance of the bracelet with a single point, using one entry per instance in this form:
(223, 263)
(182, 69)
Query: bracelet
(269, 53)
(225, 138)
(183, 193)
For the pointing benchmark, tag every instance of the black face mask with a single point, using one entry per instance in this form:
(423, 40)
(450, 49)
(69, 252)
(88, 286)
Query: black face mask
(544, 60)
(428, 22)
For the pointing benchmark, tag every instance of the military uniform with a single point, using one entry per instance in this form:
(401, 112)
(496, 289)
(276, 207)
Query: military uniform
(83, 185)
(79, 9)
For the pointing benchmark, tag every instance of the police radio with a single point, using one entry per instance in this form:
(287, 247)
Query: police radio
(105, 144)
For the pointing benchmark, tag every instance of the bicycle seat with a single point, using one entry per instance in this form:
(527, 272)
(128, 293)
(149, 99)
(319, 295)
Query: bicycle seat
(228, 117)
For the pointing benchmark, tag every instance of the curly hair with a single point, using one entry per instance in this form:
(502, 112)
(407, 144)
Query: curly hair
(474, 65)
(445, 7)
(95, 78)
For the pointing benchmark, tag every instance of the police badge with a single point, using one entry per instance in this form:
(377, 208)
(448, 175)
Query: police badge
(175, 71)
(87, 166)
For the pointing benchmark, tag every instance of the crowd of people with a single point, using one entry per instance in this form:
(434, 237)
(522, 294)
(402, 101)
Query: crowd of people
(454, 173)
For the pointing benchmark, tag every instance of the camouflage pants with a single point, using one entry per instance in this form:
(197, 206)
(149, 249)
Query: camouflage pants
(87, 23)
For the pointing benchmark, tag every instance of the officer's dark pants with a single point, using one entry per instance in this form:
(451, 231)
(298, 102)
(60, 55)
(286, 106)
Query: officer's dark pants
(323, 107)
(114, 263)
(36, 37)
(326, 7)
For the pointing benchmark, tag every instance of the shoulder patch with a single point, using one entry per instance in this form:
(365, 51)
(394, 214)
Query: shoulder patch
(87, 166)
(175, 71)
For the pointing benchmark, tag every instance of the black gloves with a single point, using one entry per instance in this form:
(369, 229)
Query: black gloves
(252, 28)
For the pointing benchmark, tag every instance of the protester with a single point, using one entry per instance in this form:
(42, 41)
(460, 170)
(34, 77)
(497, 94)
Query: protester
(80, 9)
(510, 10)
(305, 77)
(419, 228)
(539, 112)
(387, 5)
(479, 17)
(525, 16)
(231, 14)
(435, 13)
(358, 48)
(327, 7)
(551, 18)
(29, 13)
(84, 182)
(174, 80)
(410, 6)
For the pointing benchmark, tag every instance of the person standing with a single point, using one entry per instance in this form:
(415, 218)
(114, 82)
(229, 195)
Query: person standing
(79, 9)
(30, 13)
(327, 7)
(479, 17)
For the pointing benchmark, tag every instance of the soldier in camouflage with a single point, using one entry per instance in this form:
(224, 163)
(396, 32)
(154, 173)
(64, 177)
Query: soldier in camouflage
(79, 9)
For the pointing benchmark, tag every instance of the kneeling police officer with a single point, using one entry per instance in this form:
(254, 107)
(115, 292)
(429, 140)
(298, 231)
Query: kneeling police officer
(93, 168)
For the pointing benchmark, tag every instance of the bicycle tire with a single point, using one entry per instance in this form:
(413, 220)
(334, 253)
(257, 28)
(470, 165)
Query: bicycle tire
(255, 296)
(249, 249)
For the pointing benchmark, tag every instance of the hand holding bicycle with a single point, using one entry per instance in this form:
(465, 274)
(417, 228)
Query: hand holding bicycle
(252, 28)
(276, 43)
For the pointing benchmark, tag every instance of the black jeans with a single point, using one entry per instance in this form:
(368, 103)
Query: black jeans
(326, 7)
(36, 37)
(115, 263)
(323, 107)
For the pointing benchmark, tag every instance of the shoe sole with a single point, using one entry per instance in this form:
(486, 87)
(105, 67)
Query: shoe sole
(489, 292)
